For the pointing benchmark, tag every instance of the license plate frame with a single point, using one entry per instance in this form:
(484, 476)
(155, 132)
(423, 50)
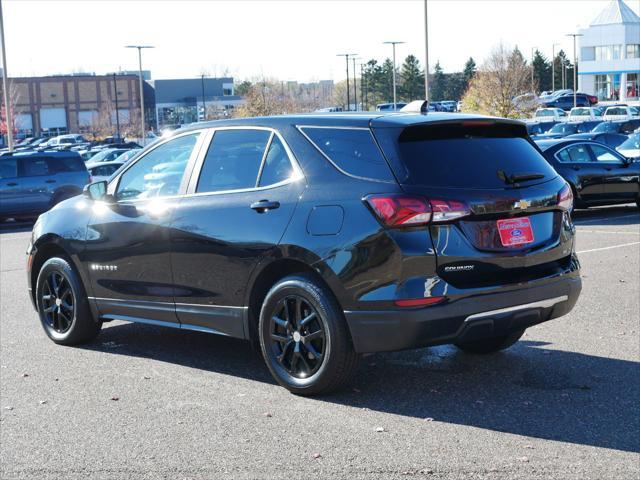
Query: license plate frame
(515, 232)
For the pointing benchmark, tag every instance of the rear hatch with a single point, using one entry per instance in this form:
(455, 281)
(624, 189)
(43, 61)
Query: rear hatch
(500, 211)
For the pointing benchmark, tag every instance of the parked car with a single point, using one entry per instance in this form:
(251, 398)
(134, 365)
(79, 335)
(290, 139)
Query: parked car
(598, 175)
(107, 155)
(550, 115)
(565, 101)
(32, 183)
(65, 140)
(448, 105)
(103, 170)
(624, 127)
(618, 113)
(536, 128)
(563, 129)
(388, 107)
(128, 155)
(630, 148)
(297, 233)
(585, 113)
(612, 140)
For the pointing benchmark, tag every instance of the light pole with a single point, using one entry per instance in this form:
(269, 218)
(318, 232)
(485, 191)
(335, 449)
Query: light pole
(532, 69)
(346, 57)
(426, 53)
(553, 67)
(5, 91)
(115, 95)
(575, 67)
(393, 44)
(204, 104)
(355, 84)
(142, 123)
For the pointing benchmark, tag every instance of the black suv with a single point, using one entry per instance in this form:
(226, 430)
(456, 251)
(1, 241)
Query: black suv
(318, 237)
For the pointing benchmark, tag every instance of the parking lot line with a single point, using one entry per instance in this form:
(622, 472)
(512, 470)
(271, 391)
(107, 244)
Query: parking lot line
(600, 219)
(609, 248)
(580, 230)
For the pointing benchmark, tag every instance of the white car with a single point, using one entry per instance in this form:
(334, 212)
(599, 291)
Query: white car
(630, 148)
(584, 113)
(550, 115)
(70, 139)
(618, 112)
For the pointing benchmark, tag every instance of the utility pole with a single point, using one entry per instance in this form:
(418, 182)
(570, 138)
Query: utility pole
(115, 96)
(532, 81)
(355, 84)
(5, 90)
(204, 103)
(553, 67)
(142, 122)
(426, 53)
(346, 57)
(393, 44)
(575, 67)
(363, 87)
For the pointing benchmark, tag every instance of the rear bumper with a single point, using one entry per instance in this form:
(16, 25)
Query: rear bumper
(466, 319)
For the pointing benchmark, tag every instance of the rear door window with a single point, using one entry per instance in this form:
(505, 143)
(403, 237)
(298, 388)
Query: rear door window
(8, 168)
(233, 160)
(65, 164)
(34, 167)
(468, 155)
(352, 150)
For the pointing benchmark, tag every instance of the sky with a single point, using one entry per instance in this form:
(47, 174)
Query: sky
(285, 40)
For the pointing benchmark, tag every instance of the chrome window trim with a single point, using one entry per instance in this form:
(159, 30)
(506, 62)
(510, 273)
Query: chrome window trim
(297, 176)
(301, 128)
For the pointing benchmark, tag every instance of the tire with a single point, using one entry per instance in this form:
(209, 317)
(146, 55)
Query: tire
(490, 345)
(69, 321)
(307, 350)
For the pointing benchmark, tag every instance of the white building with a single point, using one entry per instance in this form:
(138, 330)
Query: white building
(609, 65)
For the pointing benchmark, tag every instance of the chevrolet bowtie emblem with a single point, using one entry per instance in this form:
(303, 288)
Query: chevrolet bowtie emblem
(522, 204)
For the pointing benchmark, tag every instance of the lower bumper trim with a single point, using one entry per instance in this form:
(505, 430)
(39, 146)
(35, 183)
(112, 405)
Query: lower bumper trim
(548, 303)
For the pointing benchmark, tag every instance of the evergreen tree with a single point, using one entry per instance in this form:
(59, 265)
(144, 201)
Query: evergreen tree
(469, 70)
(411, 79)
(541, 71)
(437, 83)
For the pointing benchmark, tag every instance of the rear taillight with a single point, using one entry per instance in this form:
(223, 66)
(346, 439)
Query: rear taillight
(565, 198)
(406, 211)
(400, 210)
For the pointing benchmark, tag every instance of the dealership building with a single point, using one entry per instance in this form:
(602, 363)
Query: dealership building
(609, 49)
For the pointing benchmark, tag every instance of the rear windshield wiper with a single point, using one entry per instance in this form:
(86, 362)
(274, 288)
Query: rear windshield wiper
(518, 177)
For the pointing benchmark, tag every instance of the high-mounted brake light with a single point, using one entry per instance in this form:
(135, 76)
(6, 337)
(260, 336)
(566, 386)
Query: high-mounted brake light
(565, 198)
(405, 211)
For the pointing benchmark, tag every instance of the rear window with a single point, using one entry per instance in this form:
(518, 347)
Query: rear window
(469, 156)
(351, 150)
(616, 111)
(545, 113)
(580, 111)
(606, 127)
(564, 128)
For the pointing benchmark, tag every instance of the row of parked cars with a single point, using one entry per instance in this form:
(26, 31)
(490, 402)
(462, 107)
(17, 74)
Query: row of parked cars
(41, 173)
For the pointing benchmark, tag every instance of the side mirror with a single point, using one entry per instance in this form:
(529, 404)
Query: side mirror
(96, 190)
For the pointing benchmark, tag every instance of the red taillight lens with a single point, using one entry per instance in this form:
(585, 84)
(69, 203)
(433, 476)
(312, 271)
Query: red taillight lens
(565, 198)
(419, 302)
(404, 210)
(400, 210)
(445, 210)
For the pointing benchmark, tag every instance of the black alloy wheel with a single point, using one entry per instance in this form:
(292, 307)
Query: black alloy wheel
(297, 336)
(58, 301)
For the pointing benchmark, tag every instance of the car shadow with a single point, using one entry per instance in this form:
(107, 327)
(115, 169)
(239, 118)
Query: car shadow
(530, 390)
(616, 215)
(17, 226)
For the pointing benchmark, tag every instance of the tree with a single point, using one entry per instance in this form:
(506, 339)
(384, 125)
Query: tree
(561, 61)
(541, 71)
(242, 88)
(437, 83)
(412, 80)
(469, 70)
(503, 76)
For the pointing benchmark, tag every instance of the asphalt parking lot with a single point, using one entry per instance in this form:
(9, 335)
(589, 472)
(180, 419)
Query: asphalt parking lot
(146, 402)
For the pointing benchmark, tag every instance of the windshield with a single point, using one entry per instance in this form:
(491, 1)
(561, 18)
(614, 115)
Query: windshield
(563, 128)
(632, 143)
(605, 127)
(580, 111)
(545, 113)
(616, 111)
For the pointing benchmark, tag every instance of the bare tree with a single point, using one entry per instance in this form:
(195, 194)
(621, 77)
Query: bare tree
(16, 110)
(503, 76)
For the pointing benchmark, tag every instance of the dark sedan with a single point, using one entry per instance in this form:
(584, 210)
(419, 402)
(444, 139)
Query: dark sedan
(561, 130)
(565, 101)
(618, 126)
(610, 139)
(598, 175)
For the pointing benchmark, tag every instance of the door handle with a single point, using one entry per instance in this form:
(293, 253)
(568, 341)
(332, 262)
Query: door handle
(12, 184)
(51, 180)
(576, 168)
(607, 168)
(264, 205)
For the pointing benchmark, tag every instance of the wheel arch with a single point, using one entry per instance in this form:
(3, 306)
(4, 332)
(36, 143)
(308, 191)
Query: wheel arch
(267, 274)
